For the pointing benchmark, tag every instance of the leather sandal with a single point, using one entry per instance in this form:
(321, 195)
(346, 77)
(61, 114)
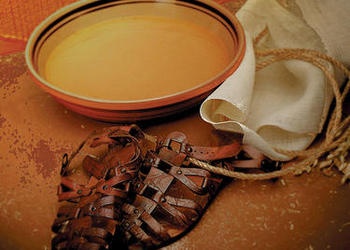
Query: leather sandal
(106, 163)
(138, 191)
(170, 194)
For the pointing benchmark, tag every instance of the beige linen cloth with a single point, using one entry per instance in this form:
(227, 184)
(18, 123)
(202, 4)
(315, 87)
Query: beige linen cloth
(284, 105)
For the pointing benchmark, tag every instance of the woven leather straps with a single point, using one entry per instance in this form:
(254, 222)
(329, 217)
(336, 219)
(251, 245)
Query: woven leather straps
(89, 216)
(138, 191)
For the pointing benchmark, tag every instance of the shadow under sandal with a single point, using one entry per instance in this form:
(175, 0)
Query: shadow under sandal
(170, 194)
(90, 214)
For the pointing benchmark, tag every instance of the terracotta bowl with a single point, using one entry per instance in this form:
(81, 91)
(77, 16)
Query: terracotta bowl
(132, 60)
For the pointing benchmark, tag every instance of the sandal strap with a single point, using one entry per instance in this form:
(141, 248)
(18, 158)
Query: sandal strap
(74, 190)
(214, 153)
(139, 216)
(82, 232)
(107, 186)
(114, 133)
(200, 152)
(182, 174)
(149, 198)
(93, 167)
(90, 220)
(65, 213)
(250, 158)
(157, 182)
(181, 202)
(229, 153)
(98, 208)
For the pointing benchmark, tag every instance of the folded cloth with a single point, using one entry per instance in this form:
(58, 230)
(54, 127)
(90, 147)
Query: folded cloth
(282, 107)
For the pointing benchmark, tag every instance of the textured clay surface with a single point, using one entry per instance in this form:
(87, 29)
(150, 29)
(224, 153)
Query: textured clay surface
(311, 211)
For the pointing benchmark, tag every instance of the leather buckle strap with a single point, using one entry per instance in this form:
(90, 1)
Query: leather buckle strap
(176, 145)
(177, 142)
(214, 153)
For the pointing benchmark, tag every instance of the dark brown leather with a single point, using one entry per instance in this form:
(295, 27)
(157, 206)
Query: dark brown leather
(89, 217)
(178, 142)
(170, 194)
(141, 191)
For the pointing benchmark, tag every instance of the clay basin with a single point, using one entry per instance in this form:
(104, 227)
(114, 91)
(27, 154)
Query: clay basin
(126, 61)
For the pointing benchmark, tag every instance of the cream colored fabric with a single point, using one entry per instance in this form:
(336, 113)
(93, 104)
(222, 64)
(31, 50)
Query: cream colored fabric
(283, 106)
(331, 20)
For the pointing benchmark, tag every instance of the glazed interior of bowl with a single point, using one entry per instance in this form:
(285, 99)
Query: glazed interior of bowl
(133, 51)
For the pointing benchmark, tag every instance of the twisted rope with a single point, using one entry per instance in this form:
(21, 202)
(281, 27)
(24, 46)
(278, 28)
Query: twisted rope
(333, 150)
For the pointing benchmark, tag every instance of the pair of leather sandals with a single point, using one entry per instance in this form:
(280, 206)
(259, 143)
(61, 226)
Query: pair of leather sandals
(138, 191)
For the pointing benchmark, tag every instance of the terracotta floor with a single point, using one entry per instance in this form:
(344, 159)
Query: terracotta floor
(311, 211)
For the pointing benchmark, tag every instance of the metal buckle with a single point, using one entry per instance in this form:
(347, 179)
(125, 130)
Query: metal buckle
(175, 145)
